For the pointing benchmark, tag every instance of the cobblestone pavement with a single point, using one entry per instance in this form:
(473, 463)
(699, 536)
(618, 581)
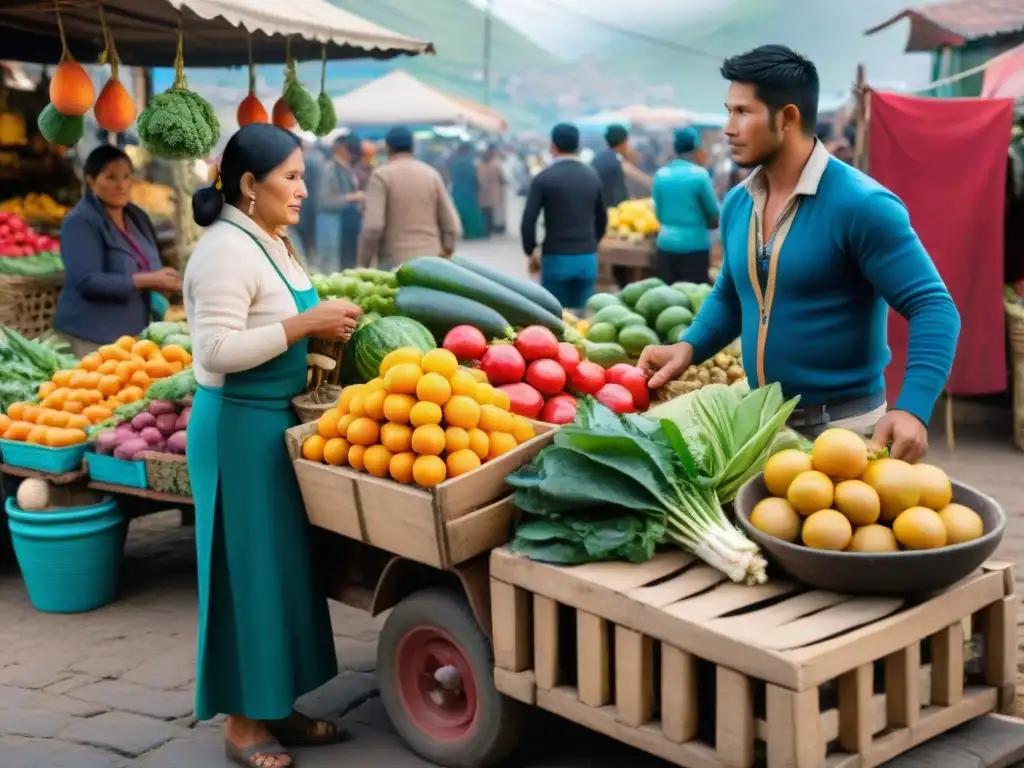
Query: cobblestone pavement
(113, 688)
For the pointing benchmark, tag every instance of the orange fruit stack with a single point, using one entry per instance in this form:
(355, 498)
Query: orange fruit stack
(73, 400)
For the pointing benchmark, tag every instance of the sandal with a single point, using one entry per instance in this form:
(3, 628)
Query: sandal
(301, 731)
(258, 755)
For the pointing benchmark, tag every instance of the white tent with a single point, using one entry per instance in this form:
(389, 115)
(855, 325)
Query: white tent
(398, 98)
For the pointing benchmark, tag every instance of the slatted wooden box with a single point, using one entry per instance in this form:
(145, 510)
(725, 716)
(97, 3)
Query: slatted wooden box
(676, 661)
(442, 527)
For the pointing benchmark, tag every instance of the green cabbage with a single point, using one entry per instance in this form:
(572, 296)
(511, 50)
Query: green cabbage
(179, 124)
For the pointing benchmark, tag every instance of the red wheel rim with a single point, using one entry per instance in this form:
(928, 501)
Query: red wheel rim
(444, 712)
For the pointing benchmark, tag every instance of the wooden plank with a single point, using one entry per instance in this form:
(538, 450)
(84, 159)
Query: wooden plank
(634, 677)
(545, 641)
(623, 577)
(734, 718)
(855, 709)
(828, 623)
(948, 665)
(510, 620)
(678, 694)
(690, 582)
(902, 687)
(753, 623)
(727, 598)
(66, 478)
(480, 531)
(143, 493)
(593, 660)
(399, 519)
(329, 496)
(521, 686)
(793, 736)
(999, 627)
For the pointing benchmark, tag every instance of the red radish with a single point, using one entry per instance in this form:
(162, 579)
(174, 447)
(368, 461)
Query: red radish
(616, 397)
(465, 342)
(568, 356)
(535, 342)
(560, 409)
(633, 379)
(587, 378)
(524, 399)
(503, 364)
(546, 376)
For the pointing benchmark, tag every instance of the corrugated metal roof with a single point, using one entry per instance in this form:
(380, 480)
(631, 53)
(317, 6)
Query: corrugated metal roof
(216, 32)
(956, 22)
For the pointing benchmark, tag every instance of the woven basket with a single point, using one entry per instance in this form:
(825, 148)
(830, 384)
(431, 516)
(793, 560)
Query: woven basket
(310, 406)
(1015, 328)
(28, 304)
(167, 473)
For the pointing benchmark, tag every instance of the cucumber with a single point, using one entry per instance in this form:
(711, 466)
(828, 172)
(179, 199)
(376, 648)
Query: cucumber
(539, 295)
(441, 311)
(441, 275)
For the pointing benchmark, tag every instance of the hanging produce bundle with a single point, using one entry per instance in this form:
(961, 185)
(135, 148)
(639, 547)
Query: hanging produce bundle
(115, 108)
(179, 124)
(251, 110)
(299, 102)
(328, 117)
(72, 94)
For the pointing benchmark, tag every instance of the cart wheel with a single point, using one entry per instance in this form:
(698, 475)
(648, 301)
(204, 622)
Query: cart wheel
(436, 674)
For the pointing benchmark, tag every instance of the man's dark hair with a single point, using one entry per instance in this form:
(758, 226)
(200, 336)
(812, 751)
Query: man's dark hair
(566, 138)
(615, 135)
(399, 139)
(780, 76)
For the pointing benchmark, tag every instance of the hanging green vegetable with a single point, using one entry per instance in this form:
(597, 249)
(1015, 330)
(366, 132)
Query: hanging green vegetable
(60, 130)
(179, 124)
(298, 99)
(328, 117)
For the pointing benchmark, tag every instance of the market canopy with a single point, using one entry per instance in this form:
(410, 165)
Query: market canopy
(398, 98)
(955, 23)
(216, 32)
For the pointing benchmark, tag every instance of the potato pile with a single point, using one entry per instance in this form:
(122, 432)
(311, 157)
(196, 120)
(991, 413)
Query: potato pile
(723, 368)
(839, 498)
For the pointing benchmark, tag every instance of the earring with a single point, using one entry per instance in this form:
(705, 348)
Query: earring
(252, 204)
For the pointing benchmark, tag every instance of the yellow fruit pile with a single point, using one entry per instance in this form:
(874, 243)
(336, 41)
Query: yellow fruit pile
(36, 208)
(838, 498)
(73, 400)
(155, 199)
(422, 421)
(633, 220)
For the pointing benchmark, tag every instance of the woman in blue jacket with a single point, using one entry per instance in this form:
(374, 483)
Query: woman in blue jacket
(686, 207)
(114, 283)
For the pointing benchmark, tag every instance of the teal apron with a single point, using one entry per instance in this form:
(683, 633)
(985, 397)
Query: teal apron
(264, 628)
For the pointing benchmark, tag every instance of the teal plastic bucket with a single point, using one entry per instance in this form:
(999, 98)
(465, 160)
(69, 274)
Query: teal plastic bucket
(71, 558)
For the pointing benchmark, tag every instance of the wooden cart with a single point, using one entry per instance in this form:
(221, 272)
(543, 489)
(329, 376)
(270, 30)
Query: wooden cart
(636, 259)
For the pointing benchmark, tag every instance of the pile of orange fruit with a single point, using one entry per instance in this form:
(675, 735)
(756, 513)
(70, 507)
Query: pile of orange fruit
(424, 420)
(73, 400)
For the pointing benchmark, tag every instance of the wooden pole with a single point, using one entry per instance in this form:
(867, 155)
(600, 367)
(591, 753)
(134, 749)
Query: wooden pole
(861, 116)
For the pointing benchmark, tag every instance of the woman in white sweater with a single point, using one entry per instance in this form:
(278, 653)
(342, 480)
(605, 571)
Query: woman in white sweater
(264, 629)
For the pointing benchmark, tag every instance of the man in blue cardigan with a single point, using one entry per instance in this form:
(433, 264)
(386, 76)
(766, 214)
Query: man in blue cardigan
(814, 253)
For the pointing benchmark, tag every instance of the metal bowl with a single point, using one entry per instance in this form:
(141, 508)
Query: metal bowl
(889, 573)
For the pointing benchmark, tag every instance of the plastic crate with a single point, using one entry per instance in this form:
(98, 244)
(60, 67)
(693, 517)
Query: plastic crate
(55, 461)
(107, 469)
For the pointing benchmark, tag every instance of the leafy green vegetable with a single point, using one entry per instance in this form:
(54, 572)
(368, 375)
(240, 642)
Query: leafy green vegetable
(173, 387)
(179, 124)
(328, 117)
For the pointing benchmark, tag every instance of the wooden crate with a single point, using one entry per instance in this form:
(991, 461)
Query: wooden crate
(441, 527)
(676, 661)
(637, 258)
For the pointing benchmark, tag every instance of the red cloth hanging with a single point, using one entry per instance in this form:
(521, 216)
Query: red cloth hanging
(946, 160)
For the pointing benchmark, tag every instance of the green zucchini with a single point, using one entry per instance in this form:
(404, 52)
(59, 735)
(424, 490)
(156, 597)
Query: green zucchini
(441, 311)
(539, 295)
(441, 275)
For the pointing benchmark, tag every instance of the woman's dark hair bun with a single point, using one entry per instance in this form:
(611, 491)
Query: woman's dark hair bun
(257, 148)
(207, 203)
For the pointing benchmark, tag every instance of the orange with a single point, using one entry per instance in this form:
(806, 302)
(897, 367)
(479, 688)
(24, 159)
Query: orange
(141, 379)
(57, 438)
(377, 460)
(5, 422)
(402, 355)
(46, 389)
(401, 466)
(461, 462)
(502, 400)
(176, 367)
(18, 430)
(114, 352)
(91, 362)
(810, 491)
(363, 431)
(500, 443)
(479, 442)
(357, 404)
(62, 378)
(493, 419)
(130, 394)
(356, 453)
(78, 379)
(327, 424)
(126, 368)
(484, 394)
(428, 440)
(462, 411)
(374, 404)
(429, 471)
(81, 396)
(16, 411)
(433, 388)
(174, 353)
(73, 407)
(158, 368)
(37, 435)
(402, 378)
(54, 400)
(345, 422)
(425, 412)
(347, 394)
(440, 361)
(108, 367)
(397, 407)
(455, 439)
(78, 421)
(463, 383)
(478, 374)
(144, 348)
(51, 418)
(31, 413)
(313, 448)
(109, 385)
(126, 343)
(782, 468)
(97, 413)
(336, 451)
(522, 429)
(75, 436)
(397, 438)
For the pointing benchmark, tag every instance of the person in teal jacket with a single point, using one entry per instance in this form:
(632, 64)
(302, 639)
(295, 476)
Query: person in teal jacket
(686, 207)
(815, 253)
(264, 628)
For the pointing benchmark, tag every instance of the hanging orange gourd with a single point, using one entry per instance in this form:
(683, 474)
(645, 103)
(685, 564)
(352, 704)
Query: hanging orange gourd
(283, 117)
(115, 108)
(71, 90)
(251, 110)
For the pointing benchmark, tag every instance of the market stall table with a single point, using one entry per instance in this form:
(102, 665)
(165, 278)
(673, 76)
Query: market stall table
(636, 257)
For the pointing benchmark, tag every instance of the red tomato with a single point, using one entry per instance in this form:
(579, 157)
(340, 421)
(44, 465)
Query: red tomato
(535, 342)
(616, 373)
(587, 378)
(524, 399)
(615, 397)
(465, 342)
(560, 409)
(503, 364)
(568, 357)
(546, 376)
(633, 379)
